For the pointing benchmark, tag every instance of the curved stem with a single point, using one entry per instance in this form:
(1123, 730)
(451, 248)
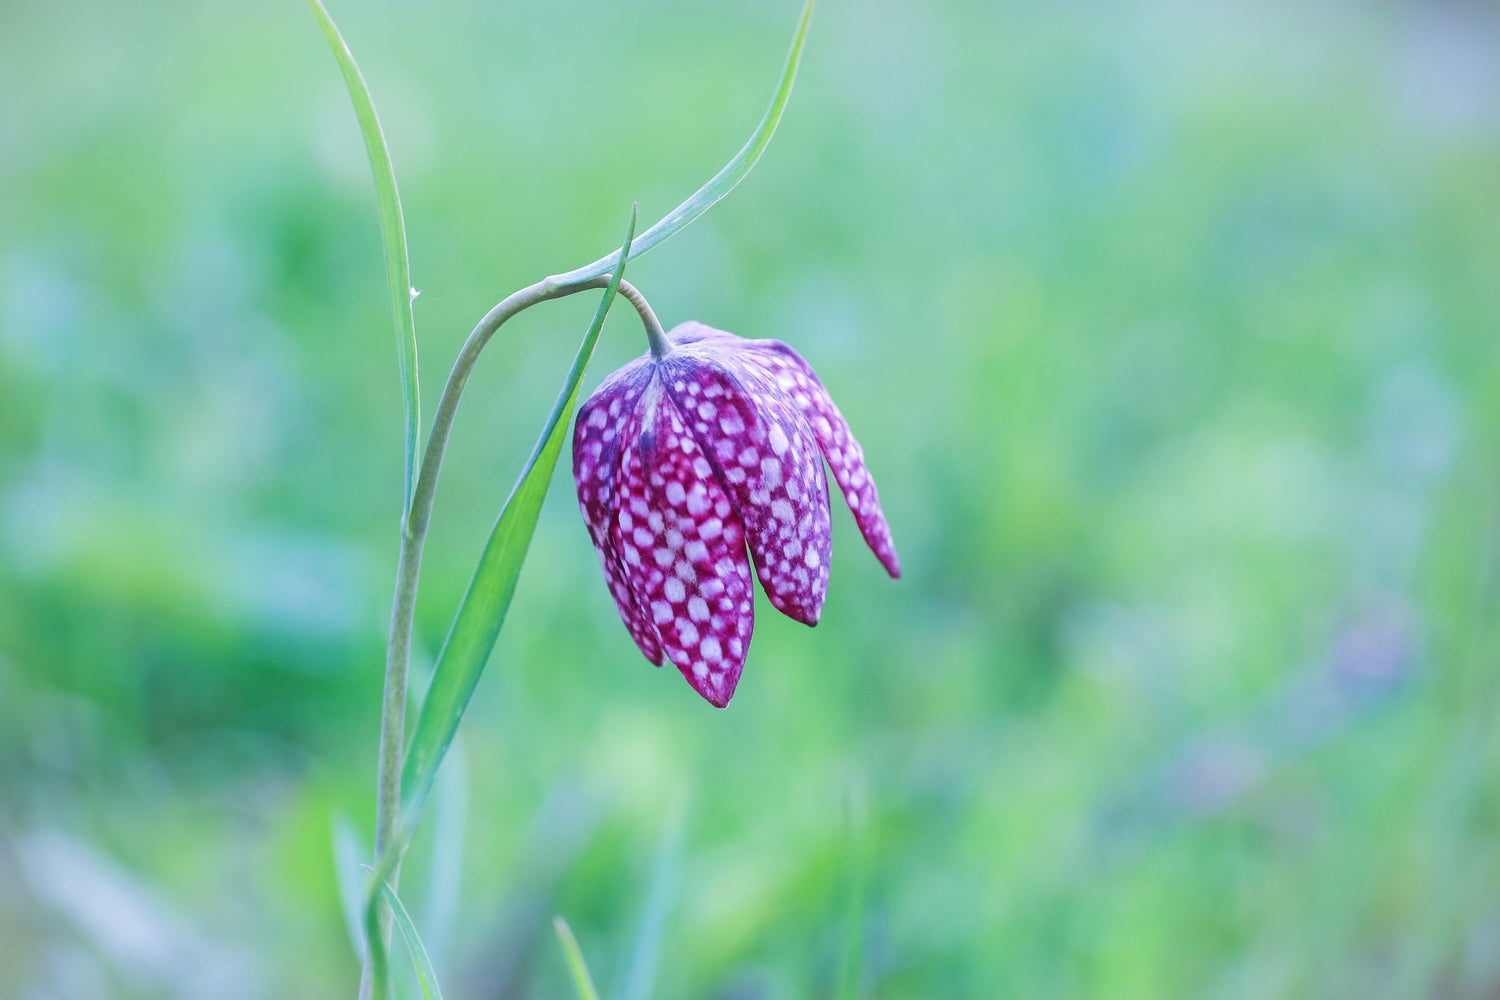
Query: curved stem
(655, 336)
(414, 537)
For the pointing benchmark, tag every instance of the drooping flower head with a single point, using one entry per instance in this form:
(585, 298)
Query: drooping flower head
(685, 460)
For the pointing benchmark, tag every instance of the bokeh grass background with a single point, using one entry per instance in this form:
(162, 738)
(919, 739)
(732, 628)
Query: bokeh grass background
(1172, 334)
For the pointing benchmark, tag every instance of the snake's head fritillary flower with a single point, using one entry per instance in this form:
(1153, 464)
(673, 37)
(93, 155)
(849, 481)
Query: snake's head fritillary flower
(685, 461)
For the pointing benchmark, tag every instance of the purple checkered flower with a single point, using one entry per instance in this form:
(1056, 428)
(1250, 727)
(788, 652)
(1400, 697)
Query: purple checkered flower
(684, 460)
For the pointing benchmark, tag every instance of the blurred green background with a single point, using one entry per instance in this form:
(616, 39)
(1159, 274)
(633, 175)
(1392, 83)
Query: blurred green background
(1169, 330)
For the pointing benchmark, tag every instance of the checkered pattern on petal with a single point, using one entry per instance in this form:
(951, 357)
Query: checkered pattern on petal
(685, 559)
(796, 378)
(768, 462)
(606, 421)
(684, 461)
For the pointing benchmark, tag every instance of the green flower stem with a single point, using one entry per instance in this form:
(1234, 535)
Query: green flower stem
(655, 335)
(388, 848)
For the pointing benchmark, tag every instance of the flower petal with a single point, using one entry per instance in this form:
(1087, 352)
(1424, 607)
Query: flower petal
(606, 421)
(796, 378)
(693, 332)
(768, 462)
(683, 550)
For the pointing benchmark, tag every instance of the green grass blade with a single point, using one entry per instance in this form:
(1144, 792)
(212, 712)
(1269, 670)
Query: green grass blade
(642, 974)
(450, 807)
(349, 857)
(852, 960)
(482, 611)
(582, 981)
(722, 182)
(392, 231)
(426, 977)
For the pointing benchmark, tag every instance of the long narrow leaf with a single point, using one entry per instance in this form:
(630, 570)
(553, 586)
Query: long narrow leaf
(450, 806)
(856, 864)
(577, 967)
(426, 977)
(392, 231)
(720, 183)
(482, 612)
(349, 854)
(641, 977)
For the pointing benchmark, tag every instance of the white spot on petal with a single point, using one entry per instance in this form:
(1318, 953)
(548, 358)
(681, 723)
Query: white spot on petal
(770, 469)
